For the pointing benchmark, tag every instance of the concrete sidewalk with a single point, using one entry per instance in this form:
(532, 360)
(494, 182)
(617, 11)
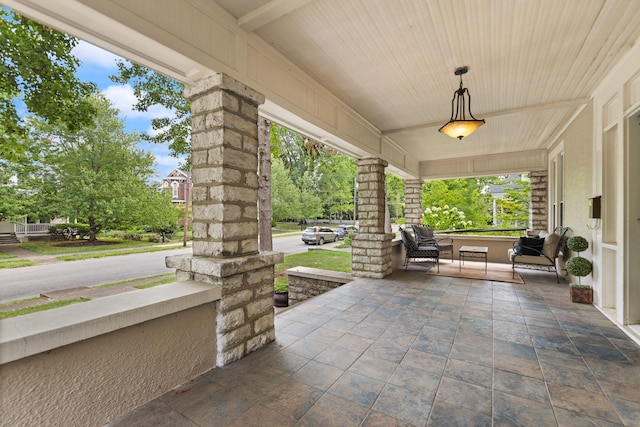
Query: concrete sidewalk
(30, 255)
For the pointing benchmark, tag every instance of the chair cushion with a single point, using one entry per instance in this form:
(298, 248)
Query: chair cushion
(529, 246)
(550, 244)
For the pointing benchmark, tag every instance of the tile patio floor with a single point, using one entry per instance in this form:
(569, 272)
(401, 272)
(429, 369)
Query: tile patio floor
(418, 350)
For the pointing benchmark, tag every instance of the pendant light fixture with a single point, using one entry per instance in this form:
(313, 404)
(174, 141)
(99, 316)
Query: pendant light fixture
(459, 125)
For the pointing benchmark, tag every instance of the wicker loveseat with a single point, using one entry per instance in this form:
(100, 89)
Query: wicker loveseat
(415, 251)
(539, 257)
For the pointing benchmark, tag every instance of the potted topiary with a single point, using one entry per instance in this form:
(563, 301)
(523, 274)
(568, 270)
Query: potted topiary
(579, 267)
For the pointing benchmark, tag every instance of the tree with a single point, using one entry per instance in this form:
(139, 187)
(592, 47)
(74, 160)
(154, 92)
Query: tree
(395, 195)
(38, 71)
(97, 175)
(337, 173)
(463, 193)
(285, 197)
(152, 88)
(513, 208)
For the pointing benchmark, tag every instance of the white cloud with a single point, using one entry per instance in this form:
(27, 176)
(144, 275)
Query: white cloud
(167, 161)
(123, 98)
(90, 54)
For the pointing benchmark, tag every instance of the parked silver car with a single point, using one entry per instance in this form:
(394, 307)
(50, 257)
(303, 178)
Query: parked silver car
(319, 235)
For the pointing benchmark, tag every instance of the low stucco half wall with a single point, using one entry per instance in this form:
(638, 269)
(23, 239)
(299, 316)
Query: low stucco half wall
(94, 380)
(498, 245)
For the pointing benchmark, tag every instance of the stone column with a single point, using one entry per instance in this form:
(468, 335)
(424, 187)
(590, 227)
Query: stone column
(538, 219)
(371, 247)
(413, 202)
(225, 217)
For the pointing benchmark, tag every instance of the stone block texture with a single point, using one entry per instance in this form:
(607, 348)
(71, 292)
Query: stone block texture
(539, 202)
(371, 248)
(413, 201)
(303, 288)
(225, 218)
(225, 162)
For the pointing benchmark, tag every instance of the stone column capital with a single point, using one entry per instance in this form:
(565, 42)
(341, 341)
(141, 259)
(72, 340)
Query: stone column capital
(220, 81)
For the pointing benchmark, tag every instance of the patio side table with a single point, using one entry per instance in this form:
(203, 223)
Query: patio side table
(473, 252)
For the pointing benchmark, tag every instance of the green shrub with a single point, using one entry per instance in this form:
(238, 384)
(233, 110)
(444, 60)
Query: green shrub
(281, 286)
(154, 238)
(401, 221)
(579, 266)
(70, 231)
(578, 244)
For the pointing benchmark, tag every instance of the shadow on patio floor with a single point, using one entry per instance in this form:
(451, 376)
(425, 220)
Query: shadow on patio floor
(416, 350)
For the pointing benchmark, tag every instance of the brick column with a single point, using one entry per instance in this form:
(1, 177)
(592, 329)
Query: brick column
(538, 218)
(413, 202)
(225, 218)
(371, 247)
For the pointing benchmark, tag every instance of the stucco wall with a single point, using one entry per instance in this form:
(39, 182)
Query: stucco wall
(578, 177)
(93, 381)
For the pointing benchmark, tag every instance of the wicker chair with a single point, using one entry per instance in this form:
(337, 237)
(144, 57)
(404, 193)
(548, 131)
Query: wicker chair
(426, 236)
(539, 258)
(415, 251)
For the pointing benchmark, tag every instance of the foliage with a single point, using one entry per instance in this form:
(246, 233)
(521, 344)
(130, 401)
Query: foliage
(97, 175)
(445, 218)
(465, 194)
(579, 266)
(395, 195)
(577, 244)
(285, 197)
(513, 208)
(155, 89)
(38, 70)
(70, 230)
(337, 174)
(280, 287)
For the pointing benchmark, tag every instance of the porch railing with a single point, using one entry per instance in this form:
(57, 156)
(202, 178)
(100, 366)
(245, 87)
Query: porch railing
(27, 229)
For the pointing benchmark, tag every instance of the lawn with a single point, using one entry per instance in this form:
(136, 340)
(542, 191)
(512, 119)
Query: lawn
(326, 260)
(66, 247)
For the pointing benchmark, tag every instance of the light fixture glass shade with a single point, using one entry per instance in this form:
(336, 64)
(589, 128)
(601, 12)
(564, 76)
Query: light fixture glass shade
(461, 128)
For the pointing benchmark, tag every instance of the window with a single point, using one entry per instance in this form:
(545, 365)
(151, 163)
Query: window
(174, 189)
(556, 187)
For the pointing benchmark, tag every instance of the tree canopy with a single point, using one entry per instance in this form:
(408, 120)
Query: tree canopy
(37, 74)
(152, 88)
(97, 175)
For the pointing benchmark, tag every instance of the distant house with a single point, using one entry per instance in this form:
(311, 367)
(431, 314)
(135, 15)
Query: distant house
(178, 181)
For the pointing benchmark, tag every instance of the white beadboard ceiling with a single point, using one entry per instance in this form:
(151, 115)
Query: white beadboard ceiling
(532, 63)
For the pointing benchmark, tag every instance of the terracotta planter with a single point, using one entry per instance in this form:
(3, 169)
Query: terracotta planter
(281, 299)
(581, 295)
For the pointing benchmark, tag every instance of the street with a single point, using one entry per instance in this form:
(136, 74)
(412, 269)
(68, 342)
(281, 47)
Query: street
(26, 282)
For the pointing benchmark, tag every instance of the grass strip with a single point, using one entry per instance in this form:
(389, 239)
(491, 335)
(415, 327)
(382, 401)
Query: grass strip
(104, 253)
(164, 275)
(20, 301)
(4, 255)
(54, 248)
(17, 263)
(156, 283)
(34, 309)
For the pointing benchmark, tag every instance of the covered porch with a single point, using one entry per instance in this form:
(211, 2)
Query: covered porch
(416, 350)
(374, 81)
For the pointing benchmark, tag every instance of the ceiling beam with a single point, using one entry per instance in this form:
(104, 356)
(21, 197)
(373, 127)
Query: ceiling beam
(268, 13)
(526, 109)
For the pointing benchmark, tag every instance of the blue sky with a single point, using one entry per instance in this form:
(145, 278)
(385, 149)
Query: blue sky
(97, 66)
